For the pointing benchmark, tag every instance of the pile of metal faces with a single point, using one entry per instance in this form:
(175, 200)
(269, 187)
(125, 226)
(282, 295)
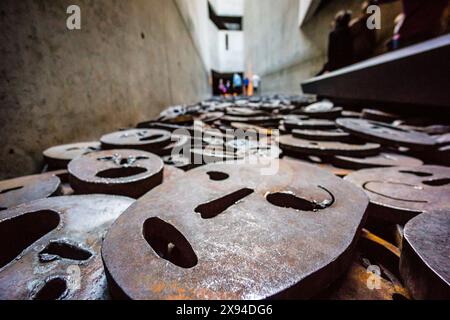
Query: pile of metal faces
(275, 197)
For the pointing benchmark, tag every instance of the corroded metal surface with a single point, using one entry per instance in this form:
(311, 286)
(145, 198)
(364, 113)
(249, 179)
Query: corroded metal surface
(425, 259)
(51, 247)
(21, 190)
(172, 173)
(141, 139)
(328, 148)
(378, 115)
(312, 124)
(336, 135)
(58, 157)
(381, 160)
(124, 172)
(228, 232)
(386, 134)
(400, 193)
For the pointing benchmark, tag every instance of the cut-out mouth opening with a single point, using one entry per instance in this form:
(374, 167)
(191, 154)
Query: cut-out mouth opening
(11, 189)
(217, 176)
(19, 233)
(152, 137)
(169, 243)
(62, 250)
(214, 208)
(117, 173)
(386, 126)
(3, 208)
(73, 149)
(291, 201)
(53, 289)
(417, 173)
(437, 182)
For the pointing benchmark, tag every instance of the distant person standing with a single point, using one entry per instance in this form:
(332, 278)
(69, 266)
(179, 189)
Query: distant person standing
(246, 84)
(222, 88)
(256, 81)
(421, 20)
(228, 87)
(364, 39)
(237, 84)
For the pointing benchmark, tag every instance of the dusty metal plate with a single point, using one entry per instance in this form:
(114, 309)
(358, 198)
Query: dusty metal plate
(50, 248)
(327, 148)
(335, 135)
(378, 115)
(318, 161)
(400, 193)
(141, 139)
(58, 157)
(312, 124)
(425, 259)
(229, 232)
(124, 172)
(172, 173)
(381, 160)
(25, 189)
(386, 134)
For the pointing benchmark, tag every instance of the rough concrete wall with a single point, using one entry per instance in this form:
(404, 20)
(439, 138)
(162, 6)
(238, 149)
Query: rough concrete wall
(284, 54)
(130, 60)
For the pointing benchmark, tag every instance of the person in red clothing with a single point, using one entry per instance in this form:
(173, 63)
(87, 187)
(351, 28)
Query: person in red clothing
(421, 20)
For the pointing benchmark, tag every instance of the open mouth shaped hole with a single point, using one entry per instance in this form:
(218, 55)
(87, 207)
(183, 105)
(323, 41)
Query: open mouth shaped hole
(73, 149)
(437, 182)
(214, 208)
(62, 250)
(152, 137)
(117, 173)
(169, 243)
(19, 233)
(53, 289)
(217, 176)
(289, 200)
(417, 173)
(11, 189)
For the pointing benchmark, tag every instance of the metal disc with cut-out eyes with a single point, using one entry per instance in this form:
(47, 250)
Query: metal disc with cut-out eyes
(381, 160)
(25, 189)
(400, 193)
(425, 259)
(386, 134)
(239, 231)
(124, 172)
(50, 248)
(327, 148)
(141, 139)
(58, 157)
(321, 110)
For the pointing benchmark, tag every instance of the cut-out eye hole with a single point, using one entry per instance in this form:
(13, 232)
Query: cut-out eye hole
(73, 149)
(117, 173)
(152, 137)
(19, 233)
(217, 176)
(437, 182)
(169, 243)
(63, 250)
(124, 162)
(106, 159)
(53, 289)
(214, 208)
(386, 126)
(10, 189)
(141, 158)
(289, 200)
(417, 173)
(2, 208)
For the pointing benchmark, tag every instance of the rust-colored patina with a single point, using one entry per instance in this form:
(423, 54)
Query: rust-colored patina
(383, 159)
(25, 189)
(124, 172)
(327, 148)
(140, 139)
(398, 194)
(50, 248)
(230, 232)
(387, 134)
(58, 157)
(425, 259)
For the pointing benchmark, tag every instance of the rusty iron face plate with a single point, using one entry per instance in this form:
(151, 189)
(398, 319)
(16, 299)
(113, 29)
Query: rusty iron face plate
(425, 259)
(245, 112)
(58, 157)
(51, 247)
(228, 232)
(321, 110)
(25, 189)
(318, 161)
(310, 124)
(262, 120)
(141, 139)
(124, 172)
(380, 160)
(335, 135)
(327, 148)
(378, 115)
(400, 193)
(386, 134)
